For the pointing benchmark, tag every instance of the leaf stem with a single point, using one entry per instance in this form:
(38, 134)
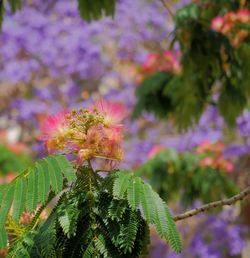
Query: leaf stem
(90, 165)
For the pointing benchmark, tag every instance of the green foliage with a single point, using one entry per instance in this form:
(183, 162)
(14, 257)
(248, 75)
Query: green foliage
(121, 185)
(210, 65)
(95, 217)
(134, 192)
(151, 95)
(19, 198)
(39, 242)
(88, 9)
(45, 240)
(96, 9)
(67, 216)
(20, 249)
(5, 205)
(14, 5)
(11, 162)
(1, 13)
(175, 175)
(116, 209)
(55, 175)
(153, 206)
(83, 227)
(243, 56)
(31, 188)
(231, 94)
(190, 12)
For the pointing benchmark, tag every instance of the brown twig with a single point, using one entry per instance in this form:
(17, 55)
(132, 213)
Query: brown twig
(212, 205)
(168, 8)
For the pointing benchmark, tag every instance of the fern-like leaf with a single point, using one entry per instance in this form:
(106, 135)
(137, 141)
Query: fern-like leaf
(66, 167)
(116, 209)
(67, 218)
(147, 203)
(173, 236)
(32, 187)
(19, 198)
(88, 253)
(32, 191)
(156, 212)
(3, 238)
(42, 168)
(45, 240)
(100, 246)
(4, 209)
(134, 192)
(6, 204)
(121, 184)
(163, 221)
(160, 216)
(56, 177)
(2, 192)
(129, 232)
(43, 186)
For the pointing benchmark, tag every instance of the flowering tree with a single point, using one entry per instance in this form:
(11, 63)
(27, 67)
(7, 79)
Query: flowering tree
(213, 42)
(91, 138)
(95, 216)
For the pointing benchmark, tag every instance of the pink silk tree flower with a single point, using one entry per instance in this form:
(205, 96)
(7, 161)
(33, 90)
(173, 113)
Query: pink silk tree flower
(229, 25)
(86, 133)
(151, 62)
(172, 61)
(217, 23)
(111, 147)
(113, 112)
(83, 155)
(102, 142)
(215, 159)
(229, 167)
(207, 162)
(243, 15)
(168, 61)
(54, 131)
(114, 133)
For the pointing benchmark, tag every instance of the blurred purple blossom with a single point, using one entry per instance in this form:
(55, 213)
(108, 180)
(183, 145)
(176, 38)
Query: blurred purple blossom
(213, 236)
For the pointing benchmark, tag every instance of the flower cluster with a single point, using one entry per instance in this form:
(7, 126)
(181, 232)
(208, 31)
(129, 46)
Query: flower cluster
(55, 130)
(232, 25)
(214, 156)
(168, 61)
(88, 133)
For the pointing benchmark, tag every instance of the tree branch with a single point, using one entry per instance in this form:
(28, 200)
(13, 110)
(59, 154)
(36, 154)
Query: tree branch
(168, 8)
(212, 205)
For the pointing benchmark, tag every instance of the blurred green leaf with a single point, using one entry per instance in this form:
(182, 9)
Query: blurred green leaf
(96, 9)
(187, 13)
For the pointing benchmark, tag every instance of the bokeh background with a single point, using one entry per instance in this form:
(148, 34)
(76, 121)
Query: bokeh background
(51, 60)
